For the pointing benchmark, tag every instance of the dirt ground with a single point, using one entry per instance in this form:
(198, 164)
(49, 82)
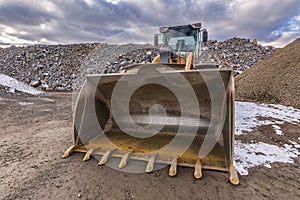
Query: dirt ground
(35, 131)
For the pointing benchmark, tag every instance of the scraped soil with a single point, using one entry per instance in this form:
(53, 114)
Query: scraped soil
(35, 131)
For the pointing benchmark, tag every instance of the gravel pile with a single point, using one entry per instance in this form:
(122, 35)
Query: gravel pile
(273, 80)
(63, 67)
(236, 53)
(112, 58)
(50, 67)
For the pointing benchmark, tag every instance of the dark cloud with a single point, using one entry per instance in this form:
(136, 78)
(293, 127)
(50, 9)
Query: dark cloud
(94, 20)
(22, 14)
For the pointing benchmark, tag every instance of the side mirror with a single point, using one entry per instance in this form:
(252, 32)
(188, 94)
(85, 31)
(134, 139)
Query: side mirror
(204, 36)
(156, 40)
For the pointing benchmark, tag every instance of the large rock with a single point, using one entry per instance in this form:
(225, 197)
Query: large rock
(35, 83)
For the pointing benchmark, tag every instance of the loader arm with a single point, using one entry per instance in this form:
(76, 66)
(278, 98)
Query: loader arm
(187, 60)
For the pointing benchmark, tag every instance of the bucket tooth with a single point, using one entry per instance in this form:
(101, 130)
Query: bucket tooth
(88, 154)
(173, 167)
(124, 160)
(105, 157)
(198, 169)
(69, 151)
(234, 179)
(150, 164)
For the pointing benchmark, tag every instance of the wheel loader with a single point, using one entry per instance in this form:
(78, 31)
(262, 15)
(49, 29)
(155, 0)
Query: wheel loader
(172, 112)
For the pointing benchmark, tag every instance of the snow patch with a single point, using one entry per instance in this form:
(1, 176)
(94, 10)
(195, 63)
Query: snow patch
(48, 100)
(277, 130)
(14, 84)
(296, 145)
(268, 166)
(3, 99)
(247, 116)
(255, 154)
(25, 103)
(12, 90)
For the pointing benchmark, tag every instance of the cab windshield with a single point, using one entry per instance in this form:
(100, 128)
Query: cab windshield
(182, 43)
(183, 39)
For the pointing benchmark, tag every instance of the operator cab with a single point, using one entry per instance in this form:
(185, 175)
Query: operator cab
(179, 40)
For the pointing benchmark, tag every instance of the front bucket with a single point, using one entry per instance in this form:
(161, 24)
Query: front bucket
(160, 116)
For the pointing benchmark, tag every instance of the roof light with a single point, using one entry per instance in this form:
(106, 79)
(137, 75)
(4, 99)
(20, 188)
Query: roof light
(163, 29)
(196, 25)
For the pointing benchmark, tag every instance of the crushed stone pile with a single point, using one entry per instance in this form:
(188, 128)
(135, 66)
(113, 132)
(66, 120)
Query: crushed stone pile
(63, 67)
(59, 67)
(238, 54)
(273, 80)
(45, 66)
(113, 58)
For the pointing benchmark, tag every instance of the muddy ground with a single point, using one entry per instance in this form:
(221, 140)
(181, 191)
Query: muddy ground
(35, 131)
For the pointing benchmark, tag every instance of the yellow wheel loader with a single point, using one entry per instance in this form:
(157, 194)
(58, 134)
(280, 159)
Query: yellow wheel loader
(172, 112)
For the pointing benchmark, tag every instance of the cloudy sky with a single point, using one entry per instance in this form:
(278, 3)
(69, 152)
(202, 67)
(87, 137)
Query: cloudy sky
(272, 22)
